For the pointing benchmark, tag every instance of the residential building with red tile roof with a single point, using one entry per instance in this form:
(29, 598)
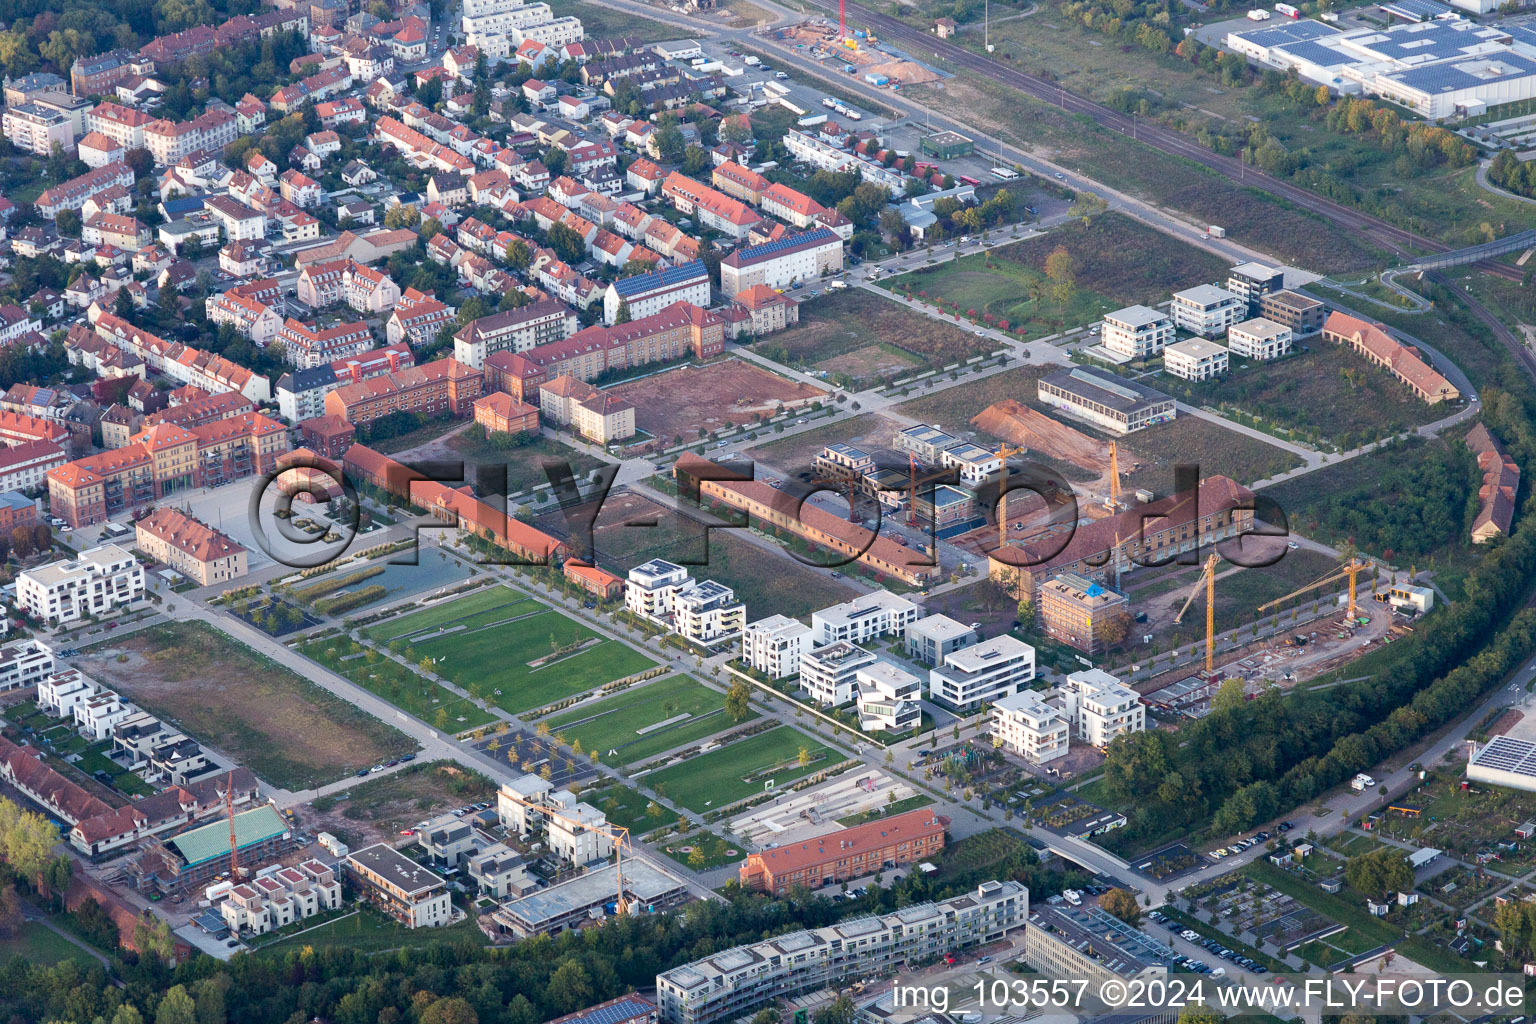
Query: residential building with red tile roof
(190, 546)
(1501, 482)
(498, 412)
(1372, 342)
(845, 854)
(432, 389)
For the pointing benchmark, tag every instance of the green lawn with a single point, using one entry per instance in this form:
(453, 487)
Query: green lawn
(494, 660)
(741, 769)
(911, 803)
(479, 608)
(613, 724)
(713, 851)
(525, 464)
(628, 808)
(403, 687)
(40, 944)
(369, 931)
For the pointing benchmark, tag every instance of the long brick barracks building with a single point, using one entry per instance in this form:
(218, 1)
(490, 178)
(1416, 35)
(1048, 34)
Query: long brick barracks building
(443, 385)
(162, 460)
(682, 329)
(846, 854)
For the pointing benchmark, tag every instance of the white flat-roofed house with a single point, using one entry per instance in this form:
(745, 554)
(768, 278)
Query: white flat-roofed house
(651, 588)
(1137, 332)
(708, 613)
(96, 716)
(976, 463)
(25, 663)
(415, 896)
(867, 617)
(930, 639)
(830, 673)
(517, 802)
(62, 692)
(1101, 707)
(982, 673)
(773, 645)
(1259, 339)
(887, 698)
(571, 831)
(98, 581)
(1195, 359)
(1030, 727)
(1207, 310)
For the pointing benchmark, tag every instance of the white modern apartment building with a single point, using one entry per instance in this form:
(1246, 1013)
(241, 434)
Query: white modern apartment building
(773, 645)
(1195, 359)
(982, 673)
(25, 663)
(499, 28)
(1259, 338)
(729, 984)
(651, 588)
(930, 639)
(415, 896)
(529, 804)
(59, 694)
(975, 463)
(1207, 310)
(1137, 332)
(782, 263)
(830, 674)
(1101, 707)
(867, 617)
(708, 613)
(100, 580)
(514, 330)
(1030, 727)
(826, 157)
(33, 129)
(887, 698)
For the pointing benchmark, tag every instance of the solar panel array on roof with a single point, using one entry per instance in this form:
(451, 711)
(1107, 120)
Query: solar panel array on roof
(1293, 31)
(753, 252)
(1507, 754)
(659, 278)
(623, 1009)
(1321, 54)
(1416, 10)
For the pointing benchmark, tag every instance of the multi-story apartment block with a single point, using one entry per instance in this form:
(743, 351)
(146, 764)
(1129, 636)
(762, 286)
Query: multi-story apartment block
(1259, 338)
(514, 330)
(982, 673)
(1030, 727)
(1252, 281)
(59, 694)
(98, 581)
(240, 222)
(192, 548)
(26, 465)
(25, 663)
(431, 389)
(830, 673)
(414, 896)
(72, 194)
(931, 639)
(977, 463)
(170, 141)
(1207, 310)
(1195, 359)
(308, 345)
(773, 645)
(1303, 314)
(866, 617)
(886, 698)
(713, 208)
(98, 75)
(826, 157)
(249, 315)
(652, 587)
(728, 984)
(280, 896)
(301, 393)
(708, 613)
(1137, 332)
(648, 294)
(1101, 707)
(417, 319)
(782, 263)
(32, 129)
(1082, 613)
(123, 125)
(576, 831)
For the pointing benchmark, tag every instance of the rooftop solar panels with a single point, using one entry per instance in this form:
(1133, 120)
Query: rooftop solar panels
(1288, 32)
(1466, 74)
(1416, 10)
(1321, 54)
(1507, 754)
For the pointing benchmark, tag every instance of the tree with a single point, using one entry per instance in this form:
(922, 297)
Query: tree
(519, 255)
(569, 988)
(1061, 268)
(695, 160)
(804, 757)
(622, 315)
(1199, 1013)
(68, 223)
(738, 700)
(1379, 873)
(669, 142)
(696, 859)
(1231, 694)
(177, 1007)
(839, 1011)
(452, 1010)
(1122, 903)
(402, 215)
(566, 243)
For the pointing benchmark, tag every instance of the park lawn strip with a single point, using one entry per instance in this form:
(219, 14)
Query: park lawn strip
(402, 686)
(721, 776)
(369, 931)
(628, 808)
(470, 611)
(612, 724)
(496, 658)
(911, 803)
(287, 730)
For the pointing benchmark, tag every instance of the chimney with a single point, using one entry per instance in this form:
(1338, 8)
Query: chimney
(394, 360)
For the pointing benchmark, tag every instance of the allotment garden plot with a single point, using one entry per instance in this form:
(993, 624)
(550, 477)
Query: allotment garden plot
(645, 720)
(513, 651)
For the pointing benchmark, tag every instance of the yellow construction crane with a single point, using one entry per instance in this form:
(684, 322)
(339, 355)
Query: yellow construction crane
(1003, 453)
(1207, 577)
(1114, 475)
(1352, 570)
(618, 834)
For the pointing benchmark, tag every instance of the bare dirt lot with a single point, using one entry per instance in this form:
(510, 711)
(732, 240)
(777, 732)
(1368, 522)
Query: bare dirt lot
(375, 811)
(680, 402)
(288, 731)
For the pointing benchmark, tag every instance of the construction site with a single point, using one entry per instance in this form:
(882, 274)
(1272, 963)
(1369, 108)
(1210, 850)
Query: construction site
(856, 53)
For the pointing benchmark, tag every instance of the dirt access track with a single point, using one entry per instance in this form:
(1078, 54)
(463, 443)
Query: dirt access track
(730, 392)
